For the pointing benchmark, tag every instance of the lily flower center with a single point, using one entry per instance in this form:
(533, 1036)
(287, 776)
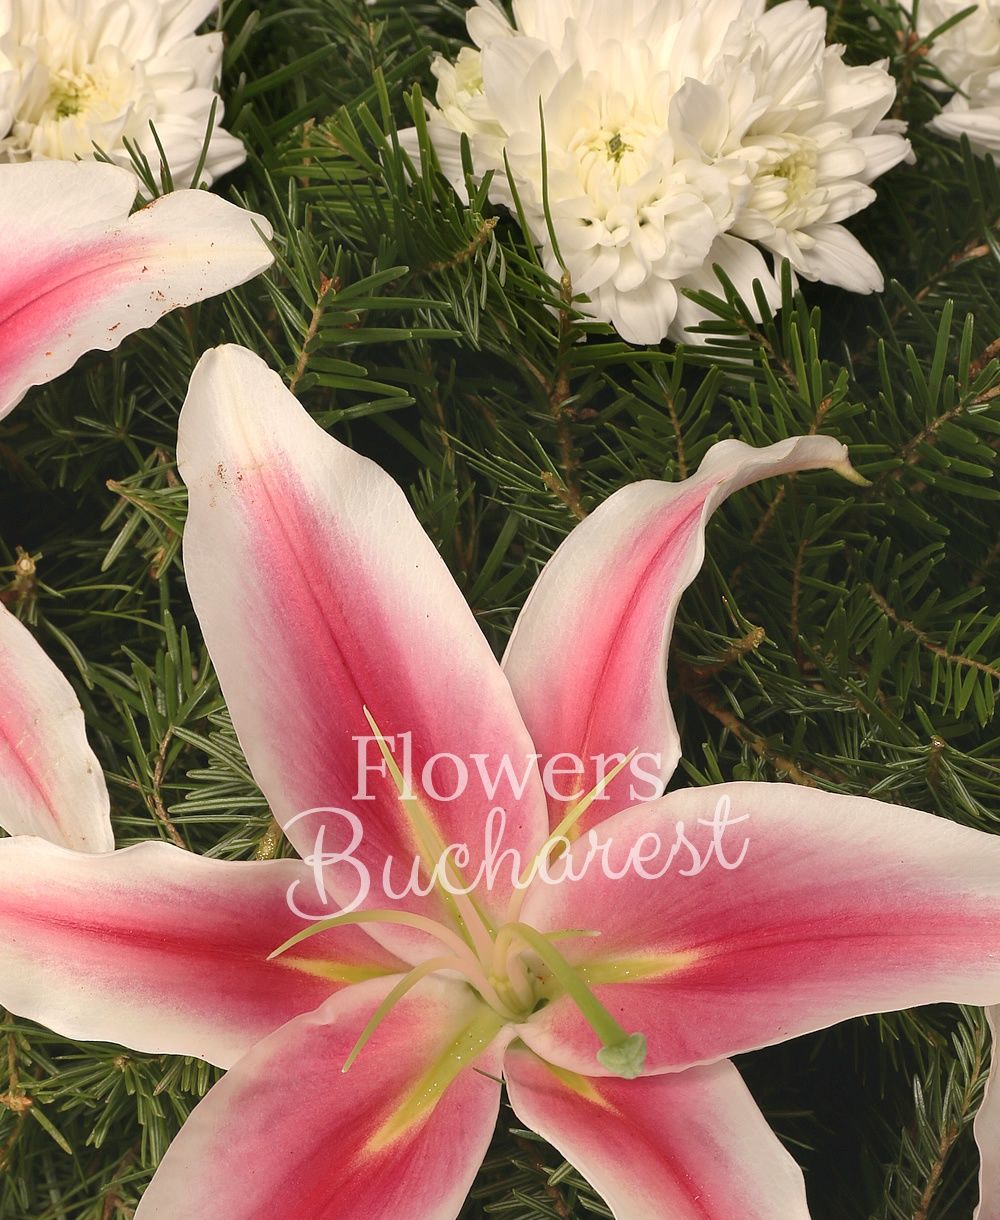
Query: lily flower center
(522, 974)
(515, 968)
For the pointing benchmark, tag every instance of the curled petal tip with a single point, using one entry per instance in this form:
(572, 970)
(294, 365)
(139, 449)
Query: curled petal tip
(847, 471)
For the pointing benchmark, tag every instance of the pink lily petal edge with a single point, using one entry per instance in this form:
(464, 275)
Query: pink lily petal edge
(52, 784)
(78, 273)
(433, 1150)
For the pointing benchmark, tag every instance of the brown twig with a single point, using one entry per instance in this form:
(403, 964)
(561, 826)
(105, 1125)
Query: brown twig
(738, 649)
(155, 799)
(769, 513)
(24, 584)
(947, 1141)
(989, 353)
(682, 466)
(112, 1201)
(479, 239)
(326, 285)
(926, 436)
(559, 396)
(558, 392)
(793, 617)
(14, 1099)
(939, 650)
(701, 693)
(270, 841)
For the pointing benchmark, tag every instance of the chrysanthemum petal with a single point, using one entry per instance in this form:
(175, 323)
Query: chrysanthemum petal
(835, 256)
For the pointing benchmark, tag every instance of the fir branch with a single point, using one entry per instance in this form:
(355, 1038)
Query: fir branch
(938, 650)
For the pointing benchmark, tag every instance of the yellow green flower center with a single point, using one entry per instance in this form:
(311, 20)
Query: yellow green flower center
(799, 171)
(515, 969)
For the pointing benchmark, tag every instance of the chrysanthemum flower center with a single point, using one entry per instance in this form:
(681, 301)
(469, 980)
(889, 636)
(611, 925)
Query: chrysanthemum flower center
(72, 93)
(617, 147)
(785, 188)
(113, 76)
(76, 101)
(799, 171)
(612, 154)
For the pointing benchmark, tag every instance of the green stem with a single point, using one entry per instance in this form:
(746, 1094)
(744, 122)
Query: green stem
(573, 815)
(465, 912)
(431, 926)
(621, 1053)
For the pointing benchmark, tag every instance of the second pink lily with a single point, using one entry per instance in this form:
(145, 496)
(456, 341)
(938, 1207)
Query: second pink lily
(609, 1004)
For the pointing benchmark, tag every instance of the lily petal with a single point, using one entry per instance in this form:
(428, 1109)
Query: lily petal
(837, 907)
(320, 596)
(587, 660)
(688, 1145)
(78, 273)
(987, 1129)
(287, 1133)
(50, 782)
(164, 951)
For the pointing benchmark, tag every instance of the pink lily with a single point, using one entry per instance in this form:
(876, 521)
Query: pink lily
(609, 1006)
(987, 1131)
(52, 783)
(77, 272)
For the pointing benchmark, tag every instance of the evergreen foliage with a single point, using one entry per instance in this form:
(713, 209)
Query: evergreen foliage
(842, 637)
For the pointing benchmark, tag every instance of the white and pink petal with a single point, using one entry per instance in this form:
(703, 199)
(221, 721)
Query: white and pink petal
(164, 951)
(987, 1129)
(287, 1132)
(323, 601)
(827, 907)
(51, 784)
(78, 273)
(587, 659)
(689, 1145)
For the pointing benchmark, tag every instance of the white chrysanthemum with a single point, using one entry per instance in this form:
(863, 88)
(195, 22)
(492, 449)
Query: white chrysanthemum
(975, 112)
(80, 73)
(970, 46)
(968, 56)
(817, 147)
(675, 133)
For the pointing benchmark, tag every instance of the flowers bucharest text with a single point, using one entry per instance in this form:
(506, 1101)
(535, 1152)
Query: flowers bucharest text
(446, 777)
(688, 851)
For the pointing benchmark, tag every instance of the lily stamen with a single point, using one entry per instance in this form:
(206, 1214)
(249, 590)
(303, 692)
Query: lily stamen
(421, 923)
(561, 834)
(405, 985)
(501, 978)
(466, 913)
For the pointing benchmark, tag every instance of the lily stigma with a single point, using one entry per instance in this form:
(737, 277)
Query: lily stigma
(514, 969)
(320, 595)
